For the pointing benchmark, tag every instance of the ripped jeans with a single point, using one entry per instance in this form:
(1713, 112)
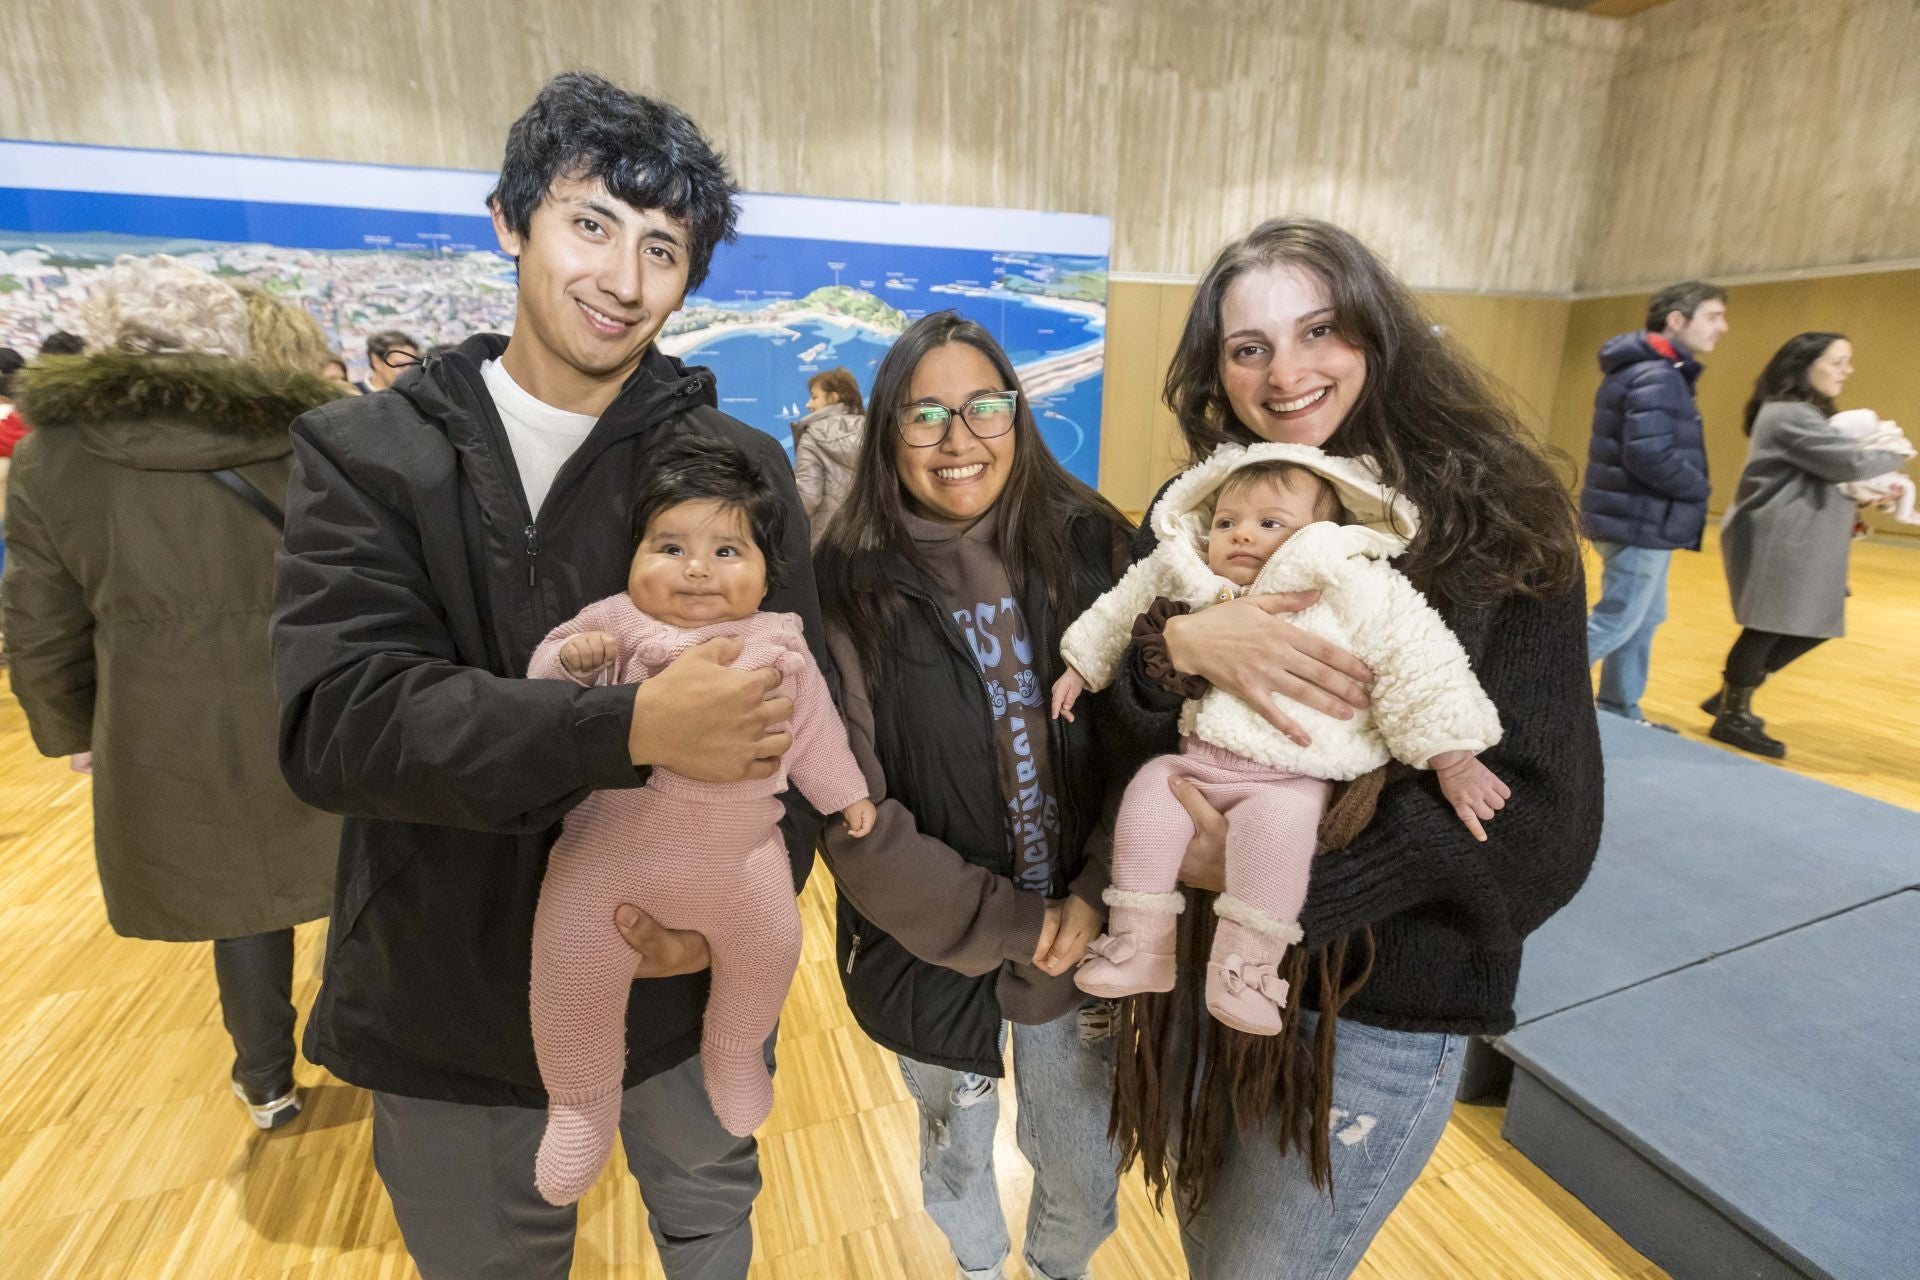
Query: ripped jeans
(1063, 1078)
(1393, 1095)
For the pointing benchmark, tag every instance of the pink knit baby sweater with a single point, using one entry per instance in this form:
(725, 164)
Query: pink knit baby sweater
(701, 856)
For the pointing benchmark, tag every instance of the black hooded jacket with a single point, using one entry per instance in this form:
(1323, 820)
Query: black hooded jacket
(413, 586)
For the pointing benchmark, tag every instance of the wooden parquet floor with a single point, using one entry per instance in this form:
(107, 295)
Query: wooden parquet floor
(123, 1155)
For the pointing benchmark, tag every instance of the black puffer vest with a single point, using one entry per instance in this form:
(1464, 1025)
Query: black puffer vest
(933, 732)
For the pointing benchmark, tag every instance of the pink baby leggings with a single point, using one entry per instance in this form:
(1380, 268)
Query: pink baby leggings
(1272, 816)
(719, 869)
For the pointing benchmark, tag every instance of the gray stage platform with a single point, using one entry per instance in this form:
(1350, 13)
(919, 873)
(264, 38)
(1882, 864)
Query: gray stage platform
(1719, 1039)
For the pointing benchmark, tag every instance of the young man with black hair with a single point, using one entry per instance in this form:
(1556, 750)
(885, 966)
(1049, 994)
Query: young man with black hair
(434, 536)
(1646, 488)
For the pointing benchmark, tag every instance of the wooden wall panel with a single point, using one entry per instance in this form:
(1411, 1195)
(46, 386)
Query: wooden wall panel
(1516, 339)
(1458, 136)
(1876, 311)
(1749, 136)
(1544, 351)
(1131, 396)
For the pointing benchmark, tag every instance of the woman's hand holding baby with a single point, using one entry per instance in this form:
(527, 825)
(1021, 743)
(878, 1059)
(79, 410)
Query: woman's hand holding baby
(1246, 648)
(1075, 924)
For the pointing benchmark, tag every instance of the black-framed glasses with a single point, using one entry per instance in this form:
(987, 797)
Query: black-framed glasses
(925, 423)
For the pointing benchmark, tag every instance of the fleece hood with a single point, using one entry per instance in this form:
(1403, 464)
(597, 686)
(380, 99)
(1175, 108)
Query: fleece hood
(1380, 521)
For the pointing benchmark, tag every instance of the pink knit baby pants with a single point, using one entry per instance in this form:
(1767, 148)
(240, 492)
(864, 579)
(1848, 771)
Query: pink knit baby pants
(1273, 817)
(715, 865)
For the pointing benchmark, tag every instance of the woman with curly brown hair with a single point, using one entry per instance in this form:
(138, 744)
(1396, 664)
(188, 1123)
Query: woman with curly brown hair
(1288, 1152)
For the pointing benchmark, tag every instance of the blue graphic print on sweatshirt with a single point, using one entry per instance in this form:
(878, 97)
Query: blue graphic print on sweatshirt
(997, 633)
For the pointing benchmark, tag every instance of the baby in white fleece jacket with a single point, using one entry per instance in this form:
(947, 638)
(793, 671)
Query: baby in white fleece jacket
(1893, 492)
(1254, 520)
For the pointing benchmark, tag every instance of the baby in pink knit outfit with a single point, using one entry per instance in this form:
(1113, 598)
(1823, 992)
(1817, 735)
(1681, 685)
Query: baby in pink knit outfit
(699, 856)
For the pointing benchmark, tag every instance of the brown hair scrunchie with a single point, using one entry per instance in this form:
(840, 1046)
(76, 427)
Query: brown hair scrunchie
(1245, 1077)
(1150, 639)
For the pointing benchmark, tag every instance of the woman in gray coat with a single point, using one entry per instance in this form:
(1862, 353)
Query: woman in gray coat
(826, 446)
(1786, 538)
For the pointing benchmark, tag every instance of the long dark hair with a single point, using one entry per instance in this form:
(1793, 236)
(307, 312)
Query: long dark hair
(856, 590)
(1785, 377)
(1494, 519)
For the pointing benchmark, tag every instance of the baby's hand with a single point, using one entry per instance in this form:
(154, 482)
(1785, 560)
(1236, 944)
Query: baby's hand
(859, 818)
(1473, 790)
(588, 654)
(1066, 691)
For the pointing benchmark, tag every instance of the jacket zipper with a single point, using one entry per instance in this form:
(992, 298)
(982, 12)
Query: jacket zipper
(958, 641)
(493, 433)
(531, 536)
(952, 632)
(1063, 783)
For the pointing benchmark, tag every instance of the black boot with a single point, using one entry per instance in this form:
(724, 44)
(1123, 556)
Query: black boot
(1712, 705)
(1737, 726)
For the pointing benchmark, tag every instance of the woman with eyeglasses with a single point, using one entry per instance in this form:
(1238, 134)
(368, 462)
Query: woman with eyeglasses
(962, 551)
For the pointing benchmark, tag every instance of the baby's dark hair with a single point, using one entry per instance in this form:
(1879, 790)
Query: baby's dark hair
(1326, 506)
(691, 468)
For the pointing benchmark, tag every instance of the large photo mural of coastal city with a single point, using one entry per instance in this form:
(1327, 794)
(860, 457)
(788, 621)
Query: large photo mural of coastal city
(810, 284)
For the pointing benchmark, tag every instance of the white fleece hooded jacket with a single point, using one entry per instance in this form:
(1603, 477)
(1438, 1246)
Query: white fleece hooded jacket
(1425, 697)
(1892, 492)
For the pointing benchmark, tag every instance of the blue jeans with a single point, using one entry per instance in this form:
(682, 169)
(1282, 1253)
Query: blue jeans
(1265, 1220)
(1632, 605)
(1063, 1075)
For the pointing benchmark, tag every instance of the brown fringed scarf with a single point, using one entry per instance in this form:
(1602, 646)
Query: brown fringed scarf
(1246, 1078)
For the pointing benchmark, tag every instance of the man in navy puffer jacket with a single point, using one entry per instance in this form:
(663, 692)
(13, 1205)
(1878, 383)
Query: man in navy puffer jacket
(1646, 485)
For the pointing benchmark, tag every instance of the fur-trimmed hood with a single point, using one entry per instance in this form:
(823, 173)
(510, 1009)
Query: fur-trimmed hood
(1379, 525)
(170, 412)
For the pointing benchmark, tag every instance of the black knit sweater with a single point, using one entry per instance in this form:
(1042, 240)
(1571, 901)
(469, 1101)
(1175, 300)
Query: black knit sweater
(1449, 913)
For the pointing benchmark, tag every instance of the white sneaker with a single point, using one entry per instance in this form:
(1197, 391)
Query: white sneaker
(274, 1112)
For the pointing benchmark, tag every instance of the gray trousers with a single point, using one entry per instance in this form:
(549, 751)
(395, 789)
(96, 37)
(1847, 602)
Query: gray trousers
(255, 976)
(461, 1181)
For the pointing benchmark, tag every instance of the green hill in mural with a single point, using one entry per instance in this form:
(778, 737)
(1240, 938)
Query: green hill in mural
(856, 304)
(1083, 286)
